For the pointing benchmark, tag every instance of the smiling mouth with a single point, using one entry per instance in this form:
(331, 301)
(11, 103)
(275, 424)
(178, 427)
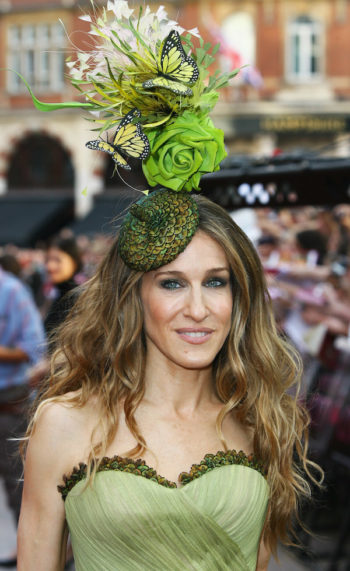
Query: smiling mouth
(195, 336)
(195, 333)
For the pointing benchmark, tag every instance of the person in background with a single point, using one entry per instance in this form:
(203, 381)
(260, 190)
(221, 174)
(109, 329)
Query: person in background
(267, 246)
(63, 262)
(313, 245)
(9, 263)
(22, 344)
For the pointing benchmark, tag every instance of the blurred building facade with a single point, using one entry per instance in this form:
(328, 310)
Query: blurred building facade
(299, 49)
(293, 94)
(41, 152)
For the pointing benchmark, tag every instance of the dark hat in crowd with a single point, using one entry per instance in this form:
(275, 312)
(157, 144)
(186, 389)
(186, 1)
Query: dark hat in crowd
(267, 240)
(313, 240)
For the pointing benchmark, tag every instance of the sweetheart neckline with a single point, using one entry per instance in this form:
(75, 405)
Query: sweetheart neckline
(140, 468)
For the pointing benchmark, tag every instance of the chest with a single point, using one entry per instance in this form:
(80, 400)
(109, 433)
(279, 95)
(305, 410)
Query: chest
(174, 445)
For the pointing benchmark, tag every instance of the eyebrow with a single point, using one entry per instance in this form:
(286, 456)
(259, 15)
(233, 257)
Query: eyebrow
(178, 273)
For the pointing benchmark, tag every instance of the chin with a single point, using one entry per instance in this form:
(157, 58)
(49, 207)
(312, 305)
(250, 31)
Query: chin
(196, 364)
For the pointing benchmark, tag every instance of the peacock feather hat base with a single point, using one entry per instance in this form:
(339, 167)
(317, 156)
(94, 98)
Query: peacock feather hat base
(157, 229)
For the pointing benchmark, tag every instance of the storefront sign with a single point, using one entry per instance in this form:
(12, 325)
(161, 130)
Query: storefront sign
(301, 124)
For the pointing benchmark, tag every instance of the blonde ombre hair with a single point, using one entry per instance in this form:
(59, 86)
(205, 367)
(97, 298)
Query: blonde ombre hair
(101, 352)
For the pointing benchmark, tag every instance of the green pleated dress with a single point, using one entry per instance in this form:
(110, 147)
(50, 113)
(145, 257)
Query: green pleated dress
(133, 519)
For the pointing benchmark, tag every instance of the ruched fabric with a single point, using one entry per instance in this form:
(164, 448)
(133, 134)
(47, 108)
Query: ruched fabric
(128, 523)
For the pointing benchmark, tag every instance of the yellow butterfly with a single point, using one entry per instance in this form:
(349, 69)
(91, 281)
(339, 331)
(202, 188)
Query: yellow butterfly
(174, 68)
(128, 141)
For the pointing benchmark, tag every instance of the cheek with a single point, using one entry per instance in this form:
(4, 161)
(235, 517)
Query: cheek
(53, 268)
(152, 311)
(158, 312)
(68, 267)
(224, 312)
(151, 315)
(60, 270)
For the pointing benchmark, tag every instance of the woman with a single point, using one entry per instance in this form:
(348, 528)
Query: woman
(171, 365)
(63, 262)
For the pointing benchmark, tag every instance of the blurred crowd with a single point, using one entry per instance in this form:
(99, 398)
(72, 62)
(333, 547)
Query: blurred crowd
(305, 253)
(31, 265)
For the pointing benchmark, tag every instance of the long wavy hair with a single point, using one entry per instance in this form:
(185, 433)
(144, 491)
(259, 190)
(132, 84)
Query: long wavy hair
(101, 353)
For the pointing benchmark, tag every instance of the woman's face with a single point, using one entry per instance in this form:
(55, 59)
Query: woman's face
(59, 266)
(188, 305)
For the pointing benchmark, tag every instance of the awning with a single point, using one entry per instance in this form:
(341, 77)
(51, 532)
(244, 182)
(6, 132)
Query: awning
(106, 215)
(282, 181)
(25, 219)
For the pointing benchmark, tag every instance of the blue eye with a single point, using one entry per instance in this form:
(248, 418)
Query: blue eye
(216, 282)
(170, 284)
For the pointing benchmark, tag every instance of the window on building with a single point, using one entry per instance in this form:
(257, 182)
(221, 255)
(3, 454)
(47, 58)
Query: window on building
(40, 162)
(37, 52)
(237, 41)
(304, 50)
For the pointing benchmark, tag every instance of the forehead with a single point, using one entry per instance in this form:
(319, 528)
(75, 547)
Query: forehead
(54, 252)
(203, 252)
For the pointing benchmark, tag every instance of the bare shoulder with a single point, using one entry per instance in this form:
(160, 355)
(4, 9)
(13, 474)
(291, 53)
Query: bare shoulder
(58, 412)
(62, 432)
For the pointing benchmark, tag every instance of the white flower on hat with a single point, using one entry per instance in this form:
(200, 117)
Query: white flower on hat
(120, 8)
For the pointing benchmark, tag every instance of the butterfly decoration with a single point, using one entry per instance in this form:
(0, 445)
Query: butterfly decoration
(175, 69)
(128, 141)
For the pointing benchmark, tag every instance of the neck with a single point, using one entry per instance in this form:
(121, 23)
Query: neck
(178, 391)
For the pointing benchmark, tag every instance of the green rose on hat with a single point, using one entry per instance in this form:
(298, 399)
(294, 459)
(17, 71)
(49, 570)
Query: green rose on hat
(183, 151)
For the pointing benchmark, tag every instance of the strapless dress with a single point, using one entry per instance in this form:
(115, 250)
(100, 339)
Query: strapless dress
(133, 519)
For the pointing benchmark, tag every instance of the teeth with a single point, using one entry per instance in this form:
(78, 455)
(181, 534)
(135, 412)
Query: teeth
(195, 333)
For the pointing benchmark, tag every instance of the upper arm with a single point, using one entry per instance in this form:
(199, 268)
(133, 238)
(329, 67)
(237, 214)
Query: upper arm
(263, 557)
(264, 552)
(42, 531)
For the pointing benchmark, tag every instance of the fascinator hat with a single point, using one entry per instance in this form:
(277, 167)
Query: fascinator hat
(148, 89)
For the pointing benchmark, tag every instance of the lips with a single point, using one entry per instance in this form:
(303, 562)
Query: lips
(195, 336)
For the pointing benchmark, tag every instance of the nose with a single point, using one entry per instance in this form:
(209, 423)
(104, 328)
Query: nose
(196, 306)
